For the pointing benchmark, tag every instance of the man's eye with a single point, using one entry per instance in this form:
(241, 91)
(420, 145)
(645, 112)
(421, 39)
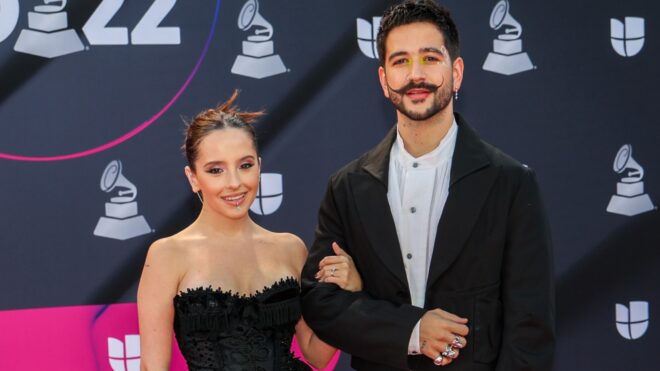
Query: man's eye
(431, 59)
(399, 62)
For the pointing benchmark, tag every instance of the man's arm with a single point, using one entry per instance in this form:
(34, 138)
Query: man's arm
(528, 290)
(372, 329)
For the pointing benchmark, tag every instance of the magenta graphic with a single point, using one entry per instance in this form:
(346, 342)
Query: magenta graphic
(91, 337)
(139, 128)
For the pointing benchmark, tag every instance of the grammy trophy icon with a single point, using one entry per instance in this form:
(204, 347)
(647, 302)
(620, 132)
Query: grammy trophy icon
(258, 59)
(630, 198)
(121, 220)
(47, 35)
(507, 57)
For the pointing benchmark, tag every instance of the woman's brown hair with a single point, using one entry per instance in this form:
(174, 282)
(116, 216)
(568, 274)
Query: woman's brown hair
(225, 115)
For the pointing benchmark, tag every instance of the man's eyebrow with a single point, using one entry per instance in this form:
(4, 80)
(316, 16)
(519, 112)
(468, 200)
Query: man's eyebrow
(396, 54)
(431, 49)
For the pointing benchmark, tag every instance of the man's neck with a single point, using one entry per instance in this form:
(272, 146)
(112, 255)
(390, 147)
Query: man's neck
(422, 137)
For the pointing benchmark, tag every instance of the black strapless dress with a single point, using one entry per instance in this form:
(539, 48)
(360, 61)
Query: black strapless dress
(218, 330)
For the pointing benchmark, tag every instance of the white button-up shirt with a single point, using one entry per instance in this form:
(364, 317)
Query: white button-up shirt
(417, 191)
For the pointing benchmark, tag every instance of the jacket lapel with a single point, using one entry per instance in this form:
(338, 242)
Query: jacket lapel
(471, 178)
(370, 194)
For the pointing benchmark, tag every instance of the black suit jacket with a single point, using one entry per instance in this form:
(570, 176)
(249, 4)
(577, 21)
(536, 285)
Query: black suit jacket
(491, 264)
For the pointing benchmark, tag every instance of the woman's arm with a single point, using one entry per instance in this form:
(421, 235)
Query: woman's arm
(316, 351)
(157, 288)
(340, 270)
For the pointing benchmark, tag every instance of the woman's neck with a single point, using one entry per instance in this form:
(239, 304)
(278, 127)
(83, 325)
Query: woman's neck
(212, 223)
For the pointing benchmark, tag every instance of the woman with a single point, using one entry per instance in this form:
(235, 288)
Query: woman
(228, 288)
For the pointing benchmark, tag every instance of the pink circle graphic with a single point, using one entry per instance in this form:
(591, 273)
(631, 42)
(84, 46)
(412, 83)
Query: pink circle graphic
(140, 127)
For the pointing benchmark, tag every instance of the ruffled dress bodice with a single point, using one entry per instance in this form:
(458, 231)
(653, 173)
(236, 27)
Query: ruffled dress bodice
(218, 330)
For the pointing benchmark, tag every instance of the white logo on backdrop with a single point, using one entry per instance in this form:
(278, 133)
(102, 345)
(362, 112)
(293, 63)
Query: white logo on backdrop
(507, 57)
(121, 220)
(366, 36)
(124, 356)
(630, 198)
(627, 39)
(632, 322)
(47, 34)
(270, 194)
(258, 59)
(8, 17)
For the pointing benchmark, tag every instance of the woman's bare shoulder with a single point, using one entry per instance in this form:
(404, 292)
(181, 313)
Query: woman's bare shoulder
(169, 250)
(293, 247)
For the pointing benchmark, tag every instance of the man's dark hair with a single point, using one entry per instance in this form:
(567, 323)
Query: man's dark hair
(413, 11)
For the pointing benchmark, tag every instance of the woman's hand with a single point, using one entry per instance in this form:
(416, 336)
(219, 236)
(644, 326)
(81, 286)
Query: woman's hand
(340, 270)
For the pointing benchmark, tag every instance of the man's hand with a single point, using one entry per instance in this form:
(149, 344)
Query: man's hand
(441, 331)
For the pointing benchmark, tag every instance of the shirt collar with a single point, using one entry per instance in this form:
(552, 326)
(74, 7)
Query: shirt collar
(443, 152)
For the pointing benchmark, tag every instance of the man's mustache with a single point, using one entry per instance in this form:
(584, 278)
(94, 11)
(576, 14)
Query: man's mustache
(412, 85)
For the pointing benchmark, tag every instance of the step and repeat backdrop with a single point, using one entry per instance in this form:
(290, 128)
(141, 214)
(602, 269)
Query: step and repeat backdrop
(94, 94)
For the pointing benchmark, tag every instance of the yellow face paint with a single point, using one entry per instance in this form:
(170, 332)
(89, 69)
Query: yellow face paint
(426, 58)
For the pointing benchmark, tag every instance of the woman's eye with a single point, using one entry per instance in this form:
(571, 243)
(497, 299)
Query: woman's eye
(246, 165)
(214, 170)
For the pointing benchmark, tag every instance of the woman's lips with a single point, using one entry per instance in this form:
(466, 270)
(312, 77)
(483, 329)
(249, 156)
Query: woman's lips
(235, 200)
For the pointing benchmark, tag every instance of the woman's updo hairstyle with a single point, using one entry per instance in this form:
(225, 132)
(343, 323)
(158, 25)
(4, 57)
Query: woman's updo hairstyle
(225, 115)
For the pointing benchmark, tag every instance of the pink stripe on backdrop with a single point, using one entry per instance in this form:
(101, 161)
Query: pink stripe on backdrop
(77, 338)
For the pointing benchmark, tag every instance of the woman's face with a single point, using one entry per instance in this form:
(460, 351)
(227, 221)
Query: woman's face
(227, 172)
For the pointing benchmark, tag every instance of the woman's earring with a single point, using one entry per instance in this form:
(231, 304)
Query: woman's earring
(199, 195)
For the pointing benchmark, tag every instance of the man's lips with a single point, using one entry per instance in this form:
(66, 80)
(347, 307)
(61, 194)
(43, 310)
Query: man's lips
(418, 94)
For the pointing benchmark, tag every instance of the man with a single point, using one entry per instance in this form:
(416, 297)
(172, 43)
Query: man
(447, 232)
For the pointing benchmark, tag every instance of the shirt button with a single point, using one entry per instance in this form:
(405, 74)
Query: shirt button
(409, 256)
(413, 210)
(415, 164)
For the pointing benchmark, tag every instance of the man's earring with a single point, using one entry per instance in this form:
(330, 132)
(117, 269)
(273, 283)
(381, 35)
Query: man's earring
(456, 94)
(199, 195)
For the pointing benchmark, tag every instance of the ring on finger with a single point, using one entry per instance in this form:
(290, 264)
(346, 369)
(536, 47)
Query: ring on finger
(449, 352)
(456, 343)
(332, 271)
(438, 360)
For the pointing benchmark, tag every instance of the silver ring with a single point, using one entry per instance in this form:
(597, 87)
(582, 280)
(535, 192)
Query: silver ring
(456, 343)
(449, 351)
(438, 360)
(332, 271)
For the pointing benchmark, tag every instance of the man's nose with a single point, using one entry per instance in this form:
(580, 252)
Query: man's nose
(417, 70)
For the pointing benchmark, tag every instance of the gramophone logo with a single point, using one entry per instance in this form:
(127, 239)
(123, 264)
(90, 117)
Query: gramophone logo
(627, 39)
(124, 355)
(632, 322)
(258, 59)
(47, 34)
(121, 220)
(270, 194)
(366, 36)
(630, 198)
(507, 57)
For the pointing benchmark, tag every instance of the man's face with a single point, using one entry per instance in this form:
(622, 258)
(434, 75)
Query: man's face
(418, 76)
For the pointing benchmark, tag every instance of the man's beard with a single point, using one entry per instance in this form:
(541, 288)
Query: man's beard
(440, 94)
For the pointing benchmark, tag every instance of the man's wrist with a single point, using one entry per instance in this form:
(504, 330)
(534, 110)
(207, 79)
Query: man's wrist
(413, 343)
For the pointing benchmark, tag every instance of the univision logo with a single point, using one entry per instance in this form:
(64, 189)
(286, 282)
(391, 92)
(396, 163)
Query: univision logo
(269, 195)
(366, 36)
(124, 356)
(632, 322)
(627, 39)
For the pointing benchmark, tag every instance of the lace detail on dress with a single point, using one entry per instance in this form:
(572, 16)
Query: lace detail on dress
(218, 330)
